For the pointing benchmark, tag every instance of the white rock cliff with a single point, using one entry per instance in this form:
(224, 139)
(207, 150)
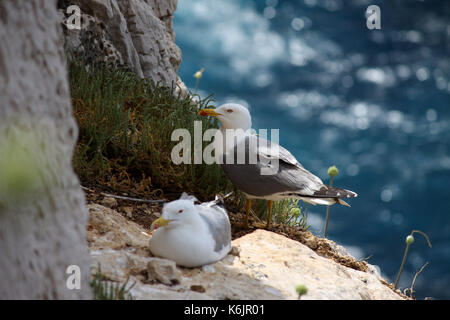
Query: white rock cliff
(137, 34)
(42, 232)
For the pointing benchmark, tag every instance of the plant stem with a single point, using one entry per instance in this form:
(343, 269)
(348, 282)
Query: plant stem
(328, 212)
(196, 85)
(326, 222)
(411, 290)
(402, 265)
(424, 235)
(306, 212)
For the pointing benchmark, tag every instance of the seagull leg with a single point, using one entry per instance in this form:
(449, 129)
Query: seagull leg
(269, 212)
(248, 205)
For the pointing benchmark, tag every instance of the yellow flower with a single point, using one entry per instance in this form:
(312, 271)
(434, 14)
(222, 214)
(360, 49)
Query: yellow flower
(199, 73)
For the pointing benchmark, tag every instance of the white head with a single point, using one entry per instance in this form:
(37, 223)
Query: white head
(175, 214)
(231, 116)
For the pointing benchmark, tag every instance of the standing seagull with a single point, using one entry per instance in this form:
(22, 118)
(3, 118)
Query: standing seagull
(290, 180)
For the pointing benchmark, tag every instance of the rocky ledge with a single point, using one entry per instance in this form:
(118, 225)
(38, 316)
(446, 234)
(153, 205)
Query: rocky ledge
(261, 265)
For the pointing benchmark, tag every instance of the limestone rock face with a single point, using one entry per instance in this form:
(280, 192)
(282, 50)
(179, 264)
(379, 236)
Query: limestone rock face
(262, 265)
(163, 270)
(137, 34)
(42, 231)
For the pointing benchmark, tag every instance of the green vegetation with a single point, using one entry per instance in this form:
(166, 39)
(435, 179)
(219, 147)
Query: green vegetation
(332, 172)
(104, 289)
(409, 241)
(125, 134)
(198, 75)
(301, 290)
(285, 211)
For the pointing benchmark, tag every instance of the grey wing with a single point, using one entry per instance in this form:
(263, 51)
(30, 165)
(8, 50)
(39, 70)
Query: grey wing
(290, 175)
(216, 218)
(269, 149)
(275, 150)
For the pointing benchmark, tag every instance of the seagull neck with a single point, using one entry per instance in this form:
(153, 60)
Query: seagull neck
(220, 141)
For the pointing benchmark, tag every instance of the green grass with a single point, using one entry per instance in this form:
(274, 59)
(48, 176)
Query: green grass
(283, 211)
(104, 289)
(125, 133)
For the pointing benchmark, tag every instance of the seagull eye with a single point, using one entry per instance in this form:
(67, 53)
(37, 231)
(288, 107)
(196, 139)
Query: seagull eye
(230, 110)
(180, 211)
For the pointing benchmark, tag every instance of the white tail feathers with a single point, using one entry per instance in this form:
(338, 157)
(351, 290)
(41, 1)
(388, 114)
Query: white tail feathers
(325, 201)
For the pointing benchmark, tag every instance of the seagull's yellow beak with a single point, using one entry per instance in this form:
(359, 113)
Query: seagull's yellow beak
(161, 222)
(208, 112)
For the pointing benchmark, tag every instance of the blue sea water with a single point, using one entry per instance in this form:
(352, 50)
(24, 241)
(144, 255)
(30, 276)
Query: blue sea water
(375, 103)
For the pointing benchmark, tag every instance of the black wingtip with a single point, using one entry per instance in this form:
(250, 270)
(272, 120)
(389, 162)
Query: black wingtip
(332, 192)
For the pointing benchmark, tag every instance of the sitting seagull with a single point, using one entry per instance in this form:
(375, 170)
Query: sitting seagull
(192, 235)
(290, 180)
